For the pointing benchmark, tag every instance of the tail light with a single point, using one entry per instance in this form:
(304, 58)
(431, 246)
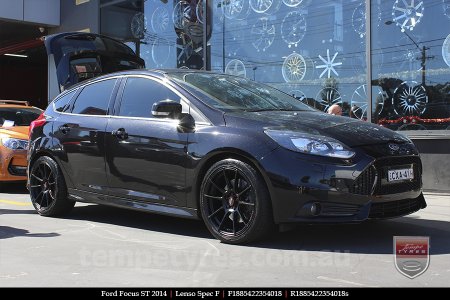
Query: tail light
(39, 122)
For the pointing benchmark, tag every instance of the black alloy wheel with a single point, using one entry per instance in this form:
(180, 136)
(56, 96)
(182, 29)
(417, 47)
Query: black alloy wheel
(48, 190)
(235, 203)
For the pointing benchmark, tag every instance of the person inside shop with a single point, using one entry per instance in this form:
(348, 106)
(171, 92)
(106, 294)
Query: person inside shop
(335, 109)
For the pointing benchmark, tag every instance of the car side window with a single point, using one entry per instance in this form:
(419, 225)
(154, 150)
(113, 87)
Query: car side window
(94, 98)
(62, 104)
(140, 94)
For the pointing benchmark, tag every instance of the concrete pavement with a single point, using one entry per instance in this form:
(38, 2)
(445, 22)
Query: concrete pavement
(104, 246)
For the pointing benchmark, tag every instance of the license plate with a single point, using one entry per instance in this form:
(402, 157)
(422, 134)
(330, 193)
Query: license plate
(400, 174)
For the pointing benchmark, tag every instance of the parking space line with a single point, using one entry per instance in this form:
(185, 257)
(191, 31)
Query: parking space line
(15, 202)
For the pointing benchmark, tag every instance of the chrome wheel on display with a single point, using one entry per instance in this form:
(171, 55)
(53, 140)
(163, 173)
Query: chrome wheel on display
(293, 28)
(410, 99)
(294, 68)
(407, 15)
(263, 33)
(359, 103)
(327, 97)
(236, 67)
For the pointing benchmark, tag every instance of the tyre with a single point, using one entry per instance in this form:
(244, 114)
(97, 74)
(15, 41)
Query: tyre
(235, 203)
(48, 189)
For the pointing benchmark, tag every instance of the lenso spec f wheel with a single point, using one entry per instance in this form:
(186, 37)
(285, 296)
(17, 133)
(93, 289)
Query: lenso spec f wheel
(48, 191)
(234, 202)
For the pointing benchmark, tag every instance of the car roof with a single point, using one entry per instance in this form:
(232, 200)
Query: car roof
(159, 73)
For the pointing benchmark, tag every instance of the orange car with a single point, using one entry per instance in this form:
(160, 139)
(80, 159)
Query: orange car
(15, 119)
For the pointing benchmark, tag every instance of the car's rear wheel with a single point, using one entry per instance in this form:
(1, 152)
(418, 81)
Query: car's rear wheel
(48, 189)
(235, 203)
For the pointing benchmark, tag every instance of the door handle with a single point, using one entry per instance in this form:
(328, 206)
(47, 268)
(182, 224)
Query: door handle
(120, 133)
(64, 129)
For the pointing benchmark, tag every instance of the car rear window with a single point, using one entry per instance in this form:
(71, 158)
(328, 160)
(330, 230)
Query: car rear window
(11, 116)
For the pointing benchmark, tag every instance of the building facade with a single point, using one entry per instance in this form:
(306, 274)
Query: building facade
(386, 62)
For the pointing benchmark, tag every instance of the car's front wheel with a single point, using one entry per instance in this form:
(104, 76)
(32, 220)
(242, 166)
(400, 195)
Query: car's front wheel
(235, 203)
(48, 189)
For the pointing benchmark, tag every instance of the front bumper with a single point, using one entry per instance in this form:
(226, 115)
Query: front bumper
(13, 164)
(314, 189)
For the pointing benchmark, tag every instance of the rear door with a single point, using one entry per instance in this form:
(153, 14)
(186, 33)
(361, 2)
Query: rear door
(81, 133)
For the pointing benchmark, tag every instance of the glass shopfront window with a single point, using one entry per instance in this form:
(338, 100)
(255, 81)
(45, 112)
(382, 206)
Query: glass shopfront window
(165, 33)
(411, 44)
(314, 50)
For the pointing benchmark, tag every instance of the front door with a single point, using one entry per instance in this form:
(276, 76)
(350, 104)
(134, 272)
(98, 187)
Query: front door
(146, 156)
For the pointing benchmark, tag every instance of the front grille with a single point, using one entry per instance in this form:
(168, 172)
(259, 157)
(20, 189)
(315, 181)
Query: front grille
(374, 178)
(364, 184)
(339, 209)
(394, 208)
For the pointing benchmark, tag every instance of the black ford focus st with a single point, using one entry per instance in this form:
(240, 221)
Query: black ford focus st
(240, 155)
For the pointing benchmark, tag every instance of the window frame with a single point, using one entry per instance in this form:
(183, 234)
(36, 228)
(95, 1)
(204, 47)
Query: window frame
(80, 88)
(119, 97)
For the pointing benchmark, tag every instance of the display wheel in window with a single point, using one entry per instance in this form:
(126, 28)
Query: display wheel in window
(265, 6)
(359, 102)
(407, 57)
(185, 49)
(292, 3)
(293, 28)
(407, 13)
(160, 20)
(294, 68)
(410, 99)
(138, 25)
(161, 51)
(298, 94)
(263, 34)
(236, 67)
(199, 11)
(327, 97)
(446, 50)
(446, 7)
(235, 9)
(329, 65)
(182, 13)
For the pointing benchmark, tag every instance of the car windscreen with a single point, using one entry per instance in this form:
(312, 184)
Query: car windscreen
(231, 93)
(10, 117)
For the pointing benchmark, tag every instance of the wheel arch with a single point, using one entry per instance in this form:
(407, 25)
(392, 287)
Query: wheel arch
(46, 152)
(228, 153)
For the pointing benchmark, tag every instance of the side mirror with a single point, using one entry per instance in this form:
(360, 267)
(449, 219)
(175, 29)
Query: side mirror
(166, 109)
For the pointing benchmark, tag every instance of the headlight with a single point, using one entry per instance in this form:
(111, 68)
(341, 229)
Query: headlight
(310, 144)
(15, 144)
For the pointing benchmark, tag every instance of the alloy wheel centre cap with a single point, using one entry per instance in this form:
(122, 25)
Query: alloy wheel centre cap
(232, 200)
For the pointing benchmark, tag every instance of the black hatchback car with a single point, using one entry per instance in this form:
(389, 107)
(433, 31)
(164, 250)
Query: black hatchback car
(238, 154)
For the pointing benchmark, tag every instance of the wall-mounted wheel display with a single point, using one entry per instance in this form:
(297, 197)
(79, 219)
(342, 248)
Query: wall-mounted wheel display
(407, 13)
(294, 68)
(263, 34)
(236, 67)
(329, 65)
(327, 97)
(293, 28)
(410, 99)
(359, 103)
(160, 20)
